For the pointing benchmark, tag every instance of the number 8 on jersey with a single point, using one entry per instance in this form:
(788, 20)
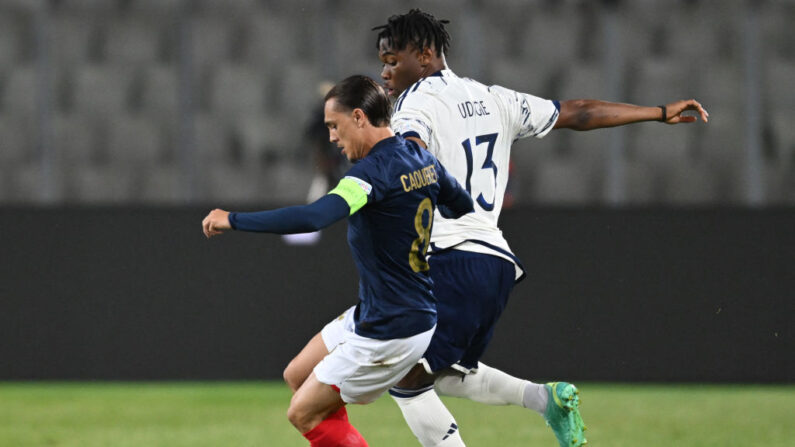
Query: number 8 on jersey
(419, 247)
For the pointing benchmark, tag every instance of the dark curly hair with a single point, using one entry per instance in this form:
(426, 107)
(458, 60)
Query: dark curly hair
(417, 28)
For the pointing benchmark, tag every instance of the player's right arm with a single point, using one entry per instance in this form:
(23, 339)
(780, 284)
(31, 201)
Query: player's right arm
(350, 195)
(294, 219)
(411, 119)
(353, 192)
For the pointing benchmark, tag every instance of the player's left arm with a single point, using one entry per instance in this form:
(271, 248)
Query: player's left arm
(588, 114)
(454, 201)
(418, 141)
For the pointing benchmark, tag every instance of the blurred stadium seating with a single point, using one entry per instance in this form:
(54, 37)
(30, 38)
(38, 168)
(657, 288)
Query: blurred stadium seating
(169, 102)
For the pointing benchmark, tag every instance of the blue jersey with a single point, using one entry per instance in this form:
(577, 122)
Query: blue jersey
(390, 196)
(389, 236)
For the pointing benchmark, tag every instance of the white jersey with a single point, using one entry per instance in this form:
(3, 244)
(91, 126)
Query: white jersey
(470, 128)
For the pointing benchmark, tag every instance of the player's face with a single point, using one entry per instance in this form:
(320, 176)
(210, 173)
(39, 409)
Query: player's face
(401, 67)
(344, 130)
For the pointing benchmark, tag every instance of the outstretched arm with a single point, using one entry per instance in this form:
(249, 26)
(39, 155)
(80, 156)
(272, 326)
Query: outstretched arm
(295, 219)
(589, 114)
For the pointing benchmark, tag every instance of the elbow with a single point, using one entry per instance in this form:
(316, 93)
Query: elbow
(460, 208)
(317, 220)
(312, 225)
(576, 114)
(584, 116)
(469, 208)
(469, 205)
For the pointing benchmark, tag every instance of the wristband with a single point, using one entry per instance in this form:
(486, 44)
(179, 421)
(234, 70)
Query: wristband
(664, 113)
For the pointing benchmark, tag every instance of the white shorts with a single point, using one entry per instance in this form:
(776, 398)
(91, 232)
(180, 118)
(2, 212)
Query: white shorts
(364, 368)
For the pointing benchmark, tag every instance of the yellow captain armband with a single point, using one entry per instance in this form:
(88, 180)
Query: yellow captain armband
(354, 191)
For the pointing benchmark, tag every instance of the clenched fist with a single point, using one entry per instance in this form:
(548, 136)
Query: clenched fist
(216, 223)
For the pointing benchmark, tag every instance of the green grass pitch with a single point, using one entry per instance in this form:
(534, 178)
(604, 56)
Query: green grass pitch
(178, 414)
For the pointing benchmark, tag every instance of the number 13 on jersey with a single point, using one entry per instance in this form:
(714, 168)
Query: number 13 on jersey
(488, 164)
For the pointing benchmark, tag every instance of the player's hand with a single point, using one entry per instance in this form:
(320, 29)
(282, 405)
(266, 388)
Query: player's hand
(674, 111)
(216, 223)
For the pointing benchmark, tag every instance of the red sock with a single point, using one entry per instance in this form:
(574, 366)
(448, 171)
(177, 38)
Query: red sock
(341, 414)
(335, 432)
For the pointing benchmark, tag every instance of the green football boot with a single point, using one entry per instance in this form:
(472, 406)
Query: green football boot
(563, 414)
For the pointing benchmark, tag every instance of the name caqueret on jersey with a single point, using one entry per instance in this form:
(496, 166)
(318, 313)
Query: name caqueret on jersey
(419, 178)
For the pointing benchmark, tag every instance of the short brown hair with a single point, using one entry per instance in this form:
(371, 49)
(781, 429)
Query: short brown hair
(361, 92)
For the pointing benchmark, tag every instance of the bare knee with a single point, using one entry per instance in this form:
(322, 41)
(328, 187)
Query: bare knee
(294, 416)
(292, 377)
(300, 417)
(416, 378)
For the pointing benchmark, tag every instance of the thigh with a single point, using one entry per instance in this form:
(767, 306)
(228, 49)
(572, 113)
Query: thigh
(313, 402)
(334, 332)
(302, 365)
(364, 368)
(504, 277)
(318, 347)
(471, 291)
(416, 378)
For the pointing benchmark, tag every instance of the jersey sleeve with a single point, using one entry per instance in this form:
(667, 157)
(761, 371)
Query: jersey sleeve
(294, 219)
(410, 118)
(359, 186)
(454, 201)
(529, 116)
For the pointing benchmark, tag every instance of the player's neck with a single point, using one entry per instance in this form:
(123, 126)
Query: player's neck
(435, 66)
(377, 134)
(438, 64)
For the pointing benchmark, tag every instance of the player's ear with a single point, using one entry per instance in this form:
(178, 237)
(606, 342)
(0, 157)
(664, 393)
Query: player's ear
(426, 55)
(359, 118)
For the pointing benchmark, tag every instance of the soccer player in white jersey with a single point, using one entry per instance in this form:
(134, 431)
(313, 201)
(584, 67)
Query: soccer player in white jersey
(470, 127)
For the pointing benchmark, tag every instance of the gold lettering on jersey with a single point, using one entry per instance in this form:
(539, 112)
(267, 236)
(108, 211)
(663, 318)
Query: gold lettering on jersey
(419, 178)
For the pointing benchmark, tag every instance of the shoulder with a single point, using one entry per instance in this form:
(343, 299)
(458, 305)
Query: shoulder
(366, 168)
(525, 100)
(379, 160)
(424, 92)
(504, 94)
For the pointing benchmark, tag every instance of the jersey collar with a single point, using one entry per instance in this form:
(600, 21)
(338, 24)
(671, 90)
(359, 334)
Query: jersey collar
(386, 142)
(441, 73)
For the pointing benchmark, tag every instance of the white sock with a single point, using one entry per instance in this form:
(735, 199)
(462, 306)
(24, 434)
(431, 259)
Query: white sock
(428, 418)
(535, 397)
(493, 387)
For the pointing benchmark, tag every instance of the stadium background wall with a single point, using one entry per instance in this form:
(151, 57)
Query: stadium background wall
(615, 295)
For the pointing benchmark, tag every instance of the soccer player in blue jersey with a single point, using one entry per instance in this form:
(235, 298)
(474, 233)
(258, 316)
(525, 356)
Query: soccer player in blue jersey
(389, 195)
(470, 127)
